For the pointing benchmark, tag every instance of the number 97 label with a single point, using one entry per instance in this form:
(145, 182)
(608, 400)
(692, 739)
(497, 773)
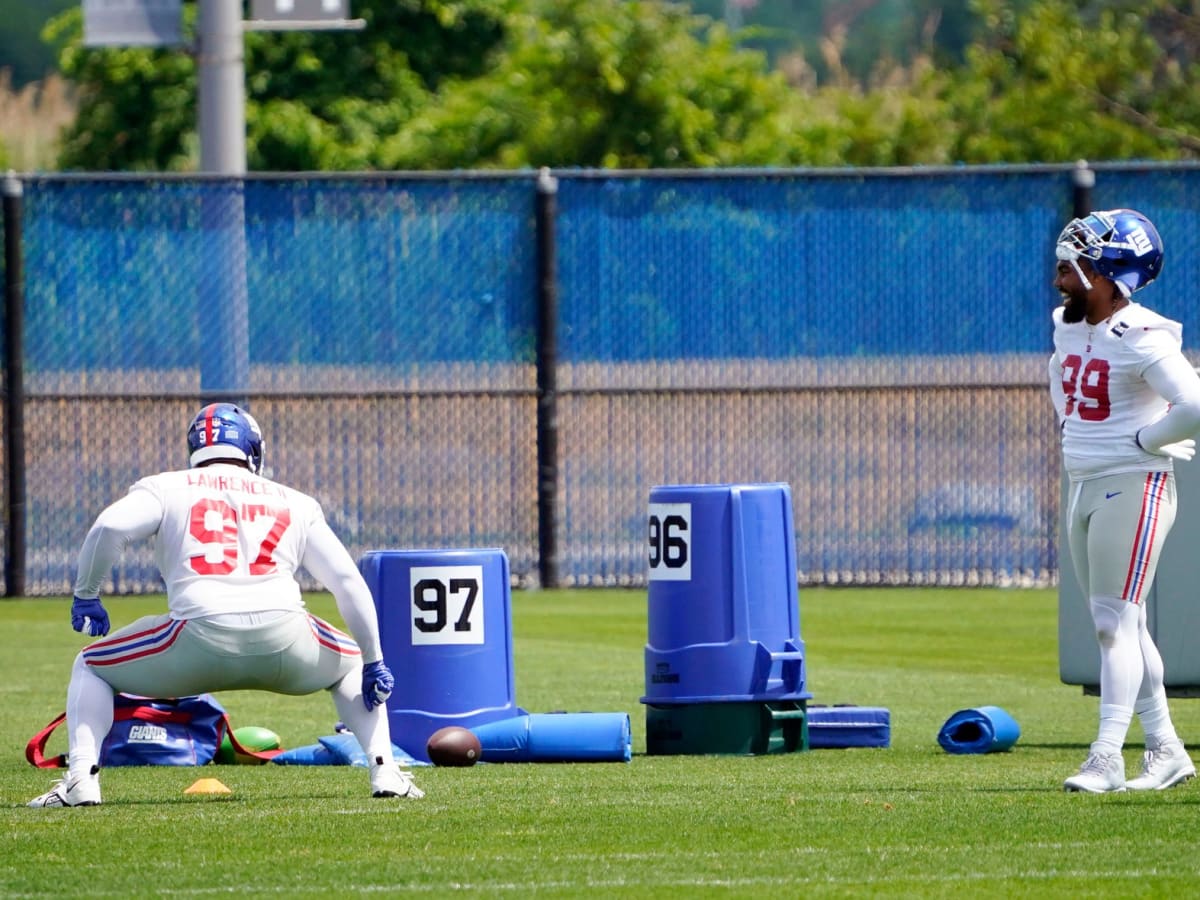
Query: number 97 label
(670, 534)
(447, 604)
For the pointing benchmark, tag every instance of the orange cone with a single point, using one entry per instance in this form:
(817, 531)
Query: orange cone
(208, 786)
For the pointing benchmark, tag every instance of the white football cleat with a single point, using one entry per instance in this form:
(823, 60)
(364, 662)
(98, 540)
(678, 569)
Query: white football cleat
(387, 780)
(1100, 774)
(84, 791)
(1165, 766)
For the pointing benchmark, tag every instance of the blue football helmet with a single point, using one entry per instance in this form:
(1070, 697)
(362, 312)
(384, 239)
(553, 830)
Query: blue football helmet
(1122, 244)
(225, 431)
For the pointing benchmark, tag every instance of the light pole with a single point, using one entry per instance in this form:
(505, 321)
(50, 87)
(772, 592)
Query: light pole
(221, 295)
(220, 58)
(223, 306)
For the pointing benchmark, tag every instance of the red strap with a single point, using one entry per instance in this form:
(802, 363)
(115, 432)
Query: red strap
(149, 714)
(36, 748)
(264, 755)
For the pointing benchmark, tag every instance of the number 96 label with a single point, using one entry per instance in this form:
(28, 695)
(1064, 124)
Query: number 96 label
(670, 536)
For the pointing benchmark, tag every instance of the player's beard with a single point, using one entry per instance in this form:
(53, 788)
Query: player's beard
(1074, 308)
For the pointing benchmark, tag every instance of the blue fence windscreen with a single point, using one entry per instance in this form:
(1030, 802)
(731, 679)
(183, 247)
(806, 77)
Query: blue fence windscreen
(783, 266)
(875, 339)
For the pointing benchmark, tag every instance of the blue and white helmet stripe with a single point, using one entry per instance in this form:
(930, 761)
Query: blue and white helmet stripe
(225, 431)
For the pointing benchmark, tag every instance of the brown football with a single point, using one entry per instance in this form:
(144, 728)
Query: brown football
(453, 746)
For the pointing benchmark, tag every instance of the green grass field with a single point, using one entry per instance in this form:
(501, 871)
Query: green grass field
(907, 821)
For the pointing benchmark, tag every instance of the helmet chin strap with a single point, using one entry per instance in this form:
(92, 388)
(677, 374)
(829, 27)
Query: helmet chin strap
(1087, 285)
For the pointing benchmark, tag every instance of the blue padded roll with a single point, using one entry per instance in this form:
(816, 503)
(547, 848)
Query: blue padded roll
(557, 737)
(848, 726)
(985, 729)
(308, 755)
(341, 749)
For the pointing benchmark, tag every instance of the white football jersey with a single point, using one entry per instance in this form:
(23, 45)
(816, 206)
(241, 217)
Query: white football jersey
(226, 540)
(1104, 399)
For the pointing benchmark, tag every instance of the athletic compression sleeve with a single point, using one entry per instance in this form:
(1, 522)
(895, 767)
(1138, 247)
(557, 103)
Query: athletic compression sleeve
(1058, 394)
(1174, 379)
(328, 561)
(135, 516)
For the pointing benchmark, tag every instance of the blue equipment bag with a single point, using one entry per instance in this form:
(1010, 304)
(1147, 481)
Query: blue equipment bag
(185, 731)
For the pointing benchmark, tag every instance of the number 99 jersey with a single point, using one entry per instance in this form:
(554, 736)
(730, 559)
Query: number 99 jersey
(1104, 398)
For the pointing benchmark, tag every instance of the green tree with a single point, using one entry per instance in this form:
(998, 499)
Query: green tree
(325, 100)
(449, 83)
(867, 34)
(1073, 80)
(314, 100)
(135, 106)
(899, 120)
(1051, 81)
(436, 84)
(27, 58)
(610, 84)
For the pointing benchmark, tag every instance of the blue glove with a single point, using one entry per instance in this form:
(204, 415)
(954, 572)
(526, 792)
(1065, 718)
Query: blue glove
(89, 616)
(377, 683)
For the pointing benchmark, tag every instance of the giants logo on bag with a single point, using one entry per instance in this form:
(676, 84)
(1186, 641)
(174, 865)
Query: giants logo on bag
(147, 734)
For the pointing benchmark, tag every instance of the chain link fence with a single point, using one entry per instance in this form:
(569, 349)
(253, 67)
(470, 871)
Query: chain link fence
(877, 339)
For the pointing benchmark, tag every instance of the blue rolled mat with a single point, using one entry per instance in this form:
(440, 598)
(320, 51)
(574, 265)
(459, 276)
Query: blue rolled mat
(557, 737)
(308, 755)
(985, 729)
(340, 749)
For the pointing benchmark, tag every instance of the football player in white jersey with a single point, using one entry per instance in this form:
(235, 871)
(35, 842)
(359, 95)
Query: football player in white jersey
(228, 542)
(1128, 405)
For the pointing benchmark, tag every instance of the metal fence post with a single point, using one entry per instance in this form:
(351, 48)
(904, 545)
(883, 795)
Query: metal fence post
(14, 391)
(547, 380)
(1083, 179)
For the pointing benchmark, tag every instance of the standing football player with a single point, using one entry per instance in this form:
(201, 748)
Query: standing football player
(228, 542)
(1128, 405)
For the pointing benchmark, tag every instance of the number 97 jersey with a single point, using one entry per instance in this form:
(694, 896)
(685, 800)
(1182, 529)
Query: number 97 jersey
(1105, 398)
(229, 540)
